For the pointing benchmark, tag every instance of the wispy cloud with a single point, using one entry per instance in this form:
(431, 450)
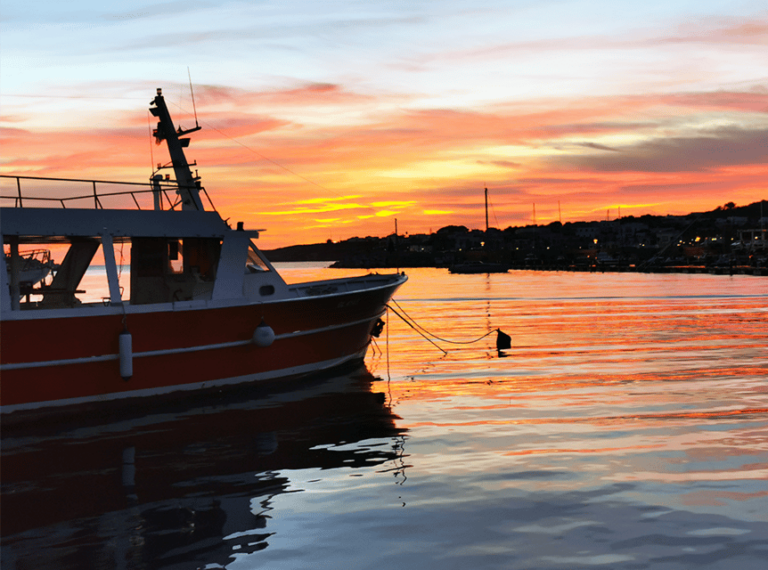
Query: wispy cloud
(337, 117)
(597, 146)
(710, 150)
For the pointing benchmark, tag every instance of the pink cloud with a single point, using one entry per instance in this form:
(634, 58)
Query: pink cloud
(255, 163)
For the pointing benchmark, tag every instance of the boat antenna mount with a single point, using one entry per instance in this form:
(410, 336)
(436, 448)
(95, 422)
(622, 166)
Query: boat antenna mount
(188, 185)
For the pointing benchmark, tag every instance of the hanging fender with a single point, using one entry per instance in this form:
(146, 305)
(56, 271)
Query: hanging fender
(263, 336)
(125, 346)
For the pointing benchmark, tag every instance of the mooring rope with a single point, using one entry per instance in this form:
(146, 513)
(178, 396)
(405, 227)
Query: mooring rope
(388, 375)
(407, 319)
(412, 325)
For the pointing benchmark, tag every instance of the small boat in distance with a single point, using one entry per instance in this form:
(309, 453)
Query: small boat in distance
(478, 267)
(35, 266)
(205, 309)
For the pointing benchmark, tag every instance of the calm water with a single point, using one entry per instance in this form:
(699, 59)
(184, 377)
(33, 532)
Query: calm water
(627, 427)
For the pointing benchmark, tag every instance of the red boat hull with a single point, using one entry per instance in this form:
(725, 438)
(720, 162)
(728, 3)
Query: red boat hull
(76, 359)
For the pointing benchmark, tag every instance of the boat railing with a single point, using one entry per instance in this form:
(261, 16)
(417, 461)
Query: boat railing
(44, 192)
(34, 258)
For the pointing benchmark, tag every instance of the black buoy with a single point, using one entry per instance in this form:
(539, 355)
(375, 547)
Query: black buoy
(503, 340)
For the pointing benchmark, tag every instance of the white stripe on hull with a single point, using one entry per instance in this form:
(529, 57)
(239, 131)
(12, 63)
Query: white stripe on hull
(170, 351)
(270, 375)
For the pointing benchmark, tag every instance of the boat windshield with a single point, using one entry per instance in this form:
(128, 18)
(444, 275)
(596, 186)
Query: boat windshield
(256, 261)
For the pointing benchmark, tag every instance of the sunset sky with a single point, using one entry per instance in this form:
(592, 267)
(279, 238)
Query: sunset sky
(327, 120)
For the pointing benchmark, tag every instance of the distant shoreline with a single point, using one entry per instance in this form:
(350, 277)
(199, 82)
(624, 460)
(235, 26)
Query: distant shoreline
(729, 240)
(678, 269)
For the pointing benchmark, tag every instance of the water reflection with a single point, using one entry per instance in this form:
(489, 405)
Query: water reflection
(188, 485)
(626, 427)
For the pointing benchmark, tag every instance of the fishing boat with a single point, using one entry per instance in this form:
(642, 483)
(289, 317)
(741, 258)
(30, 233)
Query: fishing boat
(203, 307)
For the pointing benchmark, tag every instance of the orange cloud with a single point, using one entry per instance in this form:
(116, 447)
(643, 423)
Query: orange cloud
(263, 155)
(724, 30)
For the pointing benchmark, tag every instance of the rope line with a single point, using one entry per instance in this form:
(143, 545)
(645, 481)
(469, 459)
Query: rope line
(407, 322)
(424, 332)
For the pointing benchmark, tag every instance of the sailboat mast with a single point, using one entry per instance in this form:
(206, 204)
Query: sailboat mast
(486, 209)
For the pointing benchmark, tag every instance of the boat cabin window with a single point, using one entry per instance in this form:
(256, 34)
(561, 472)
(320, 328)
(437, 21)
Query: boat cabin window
(164, 270)
(67, 272)
(255, 261)
(175, 257)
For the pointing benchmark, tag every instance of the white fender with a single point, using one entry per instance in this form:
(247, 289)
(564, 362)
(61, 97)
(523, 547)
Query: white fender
(125, 343)
(263, 335)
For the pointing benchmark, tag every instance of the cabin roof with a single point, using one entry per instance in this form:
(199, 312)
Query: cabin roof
(57, 222)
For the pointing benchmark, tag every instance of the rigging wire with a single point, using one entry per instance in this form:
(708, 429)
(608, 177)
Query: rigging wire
(207, 125)
(257, 153)
(263, 157)
(122, 260)
(103, 98)
(490, 203)
(494, 213)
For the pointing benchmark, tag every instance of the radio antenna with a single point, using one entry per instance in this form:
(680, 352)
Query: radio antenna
(193, 97)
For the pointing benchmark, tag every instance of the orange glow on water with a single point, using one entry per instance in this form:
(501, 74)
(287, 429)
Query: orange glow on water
(662, 376)
(642, 396)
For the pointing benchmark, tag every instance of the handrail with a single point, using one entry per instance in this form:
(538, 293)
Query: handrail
(97, 197)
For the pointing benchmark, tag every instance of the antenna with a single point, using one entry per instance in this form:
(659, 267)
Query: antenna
(193, 96)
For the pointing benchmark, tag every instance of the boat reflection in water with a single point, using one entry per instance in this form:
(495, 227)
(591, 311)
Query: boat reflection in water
(181, 484)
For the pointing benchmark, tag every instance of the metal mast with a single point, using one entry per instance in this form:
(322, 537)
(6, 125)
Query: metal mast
(188, 184)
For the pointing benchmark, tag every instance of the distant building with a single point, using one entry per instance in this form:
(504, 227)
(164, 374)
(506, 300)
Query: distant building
(588, 232)
(732, 221)
(667, 236)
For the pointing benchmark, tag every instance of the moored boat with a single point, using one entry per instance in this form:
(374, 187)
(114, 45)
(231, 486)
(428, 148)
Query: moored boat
(203, 308)
(478, 267)
(34, 267)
